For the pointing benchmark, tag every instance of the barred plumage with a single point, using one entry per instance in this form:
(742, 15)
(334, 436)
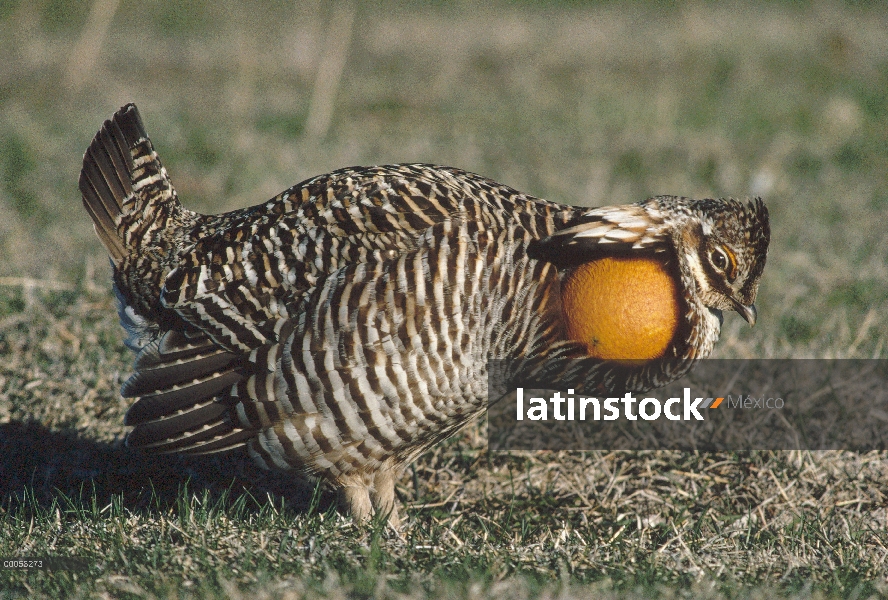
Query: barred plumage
(344, 327)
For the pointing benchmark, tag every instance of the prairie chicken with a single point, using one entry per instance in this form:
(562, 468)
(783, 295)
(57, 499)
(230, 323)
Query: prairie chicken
(344, 327)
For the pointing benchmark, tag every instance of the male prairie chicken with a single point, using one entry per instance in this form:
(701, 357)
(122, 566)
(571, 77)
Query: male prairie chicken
(345, 326)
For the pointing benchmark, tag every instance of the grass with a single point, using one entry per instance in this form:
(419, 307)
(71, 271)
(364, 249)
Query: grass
(581, 103)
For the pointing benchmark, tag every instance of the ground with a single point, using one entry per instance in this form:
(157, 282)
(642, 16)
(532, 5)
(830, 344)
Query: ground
(586, 104)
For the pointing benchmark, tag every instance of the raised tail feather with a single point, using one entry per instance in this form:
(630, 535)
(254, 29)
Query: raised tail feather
(122, 176)
(182, 378)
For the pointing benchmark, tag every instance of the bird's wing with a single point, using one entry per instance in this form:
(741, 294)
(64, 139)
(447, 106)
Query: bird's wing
(180, 383)
(392, 355)
(606, 231)
(252, 277)
(339, 367)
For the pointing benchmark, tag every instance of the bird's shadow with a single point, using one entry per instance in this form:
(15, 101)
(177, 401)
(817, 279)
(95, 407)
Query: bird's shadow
(38, 466)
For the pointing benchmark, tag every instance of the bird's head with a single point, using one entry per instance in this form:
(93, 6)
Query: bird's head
(722, 245)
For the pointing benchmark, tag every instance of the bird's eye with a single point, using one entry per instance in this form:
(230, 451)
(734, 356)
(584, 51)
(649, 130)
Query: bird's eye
(719, 259)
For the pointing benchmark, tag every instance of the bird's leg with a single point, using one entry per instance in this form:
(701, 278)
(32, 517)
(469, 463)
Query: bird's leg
(382, 494)
(355, 500)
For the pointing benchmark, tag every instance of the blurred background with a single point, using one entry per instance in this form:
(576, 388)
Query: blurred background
(581, 103)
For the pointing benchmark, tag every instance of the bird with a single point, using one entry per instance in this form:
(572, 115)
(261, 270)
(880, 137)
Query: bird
(344, 327)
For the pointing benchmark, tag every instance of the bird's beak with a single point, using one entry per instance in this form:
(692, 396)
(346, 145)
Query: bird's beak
(747, 312)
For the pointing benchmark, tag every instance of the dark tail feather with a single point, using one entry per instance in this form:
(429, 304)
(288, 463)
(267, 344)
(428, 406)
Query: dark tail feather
(121, 174)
